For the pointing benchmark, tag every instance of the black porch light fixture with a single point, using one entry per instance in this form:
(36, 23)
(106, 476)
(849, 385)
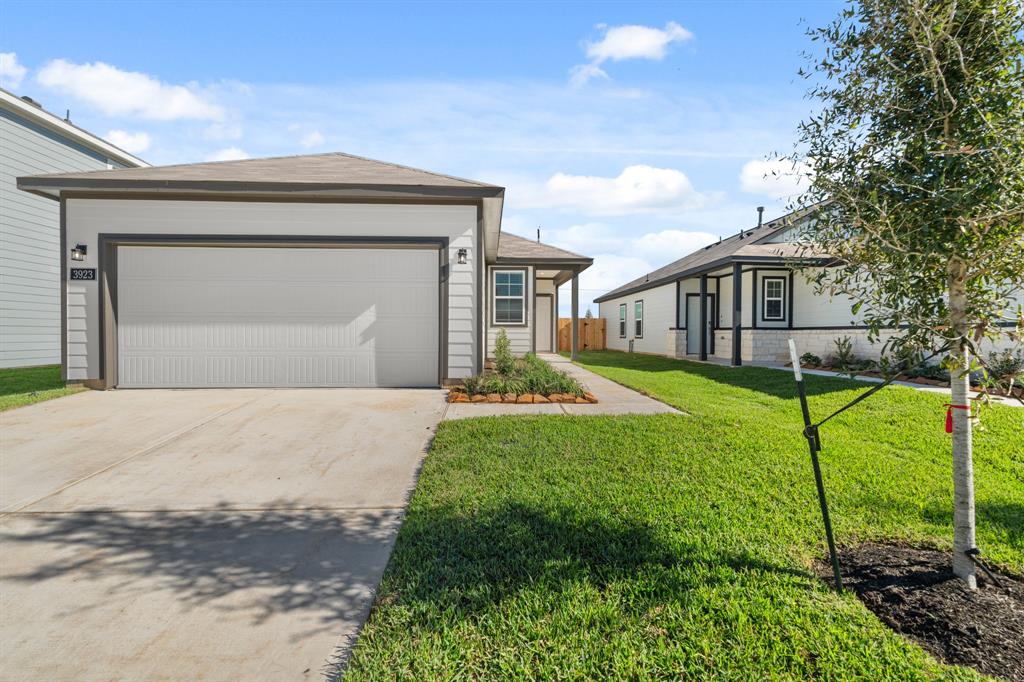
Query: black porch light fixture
(79, 252)
(463, 253)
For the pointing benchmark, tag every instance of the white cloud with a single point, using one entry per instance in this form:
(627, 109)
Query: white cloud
(636, 42)
(637, 189)
(626, 42)
(11, 72)
(130, 142)
(311, 140)
(116, 92)
(618, 257)
(580, 74)
(775, 178)
(228, 154)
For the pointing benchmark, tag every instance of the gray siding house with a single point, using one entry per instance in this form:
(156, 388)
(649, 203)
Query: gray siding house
(33, 141)
(328, 270)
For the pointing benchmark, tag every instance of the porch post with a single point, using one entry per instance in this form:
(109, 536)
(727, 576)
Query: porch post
(703, 317)
(574, 331)
(737, 313)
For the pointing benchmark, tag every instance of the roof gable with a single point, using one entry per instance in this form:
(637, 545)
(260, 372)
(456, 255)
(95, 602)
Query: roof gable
(331, 168)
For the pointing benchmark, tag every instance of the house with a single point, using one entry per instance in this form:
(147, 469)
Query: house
(32, 140)
(322, 270)
(743, 292)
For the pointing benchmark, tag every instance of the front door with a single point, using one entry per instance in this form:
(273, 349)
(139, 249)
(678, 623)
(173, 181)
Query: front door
(693, 324)
(543, 324)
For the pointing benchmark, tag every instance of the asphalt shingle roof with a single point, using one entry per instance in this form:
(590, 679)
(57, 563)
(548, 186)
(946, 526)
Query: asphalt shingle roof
(513, 246)
(330, 168)
(734, 246)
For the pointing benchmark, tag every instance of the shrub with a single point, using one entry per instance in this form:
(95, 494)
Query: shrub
(1005, 366)
(810, 359)
(504, 361)
(529, 374)
(843, 358)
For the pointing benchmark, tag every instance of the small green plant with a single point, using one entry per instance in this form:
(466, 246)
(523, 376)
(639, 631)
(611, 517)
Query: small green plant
(810, 359)
(843, 358)
(504, 361)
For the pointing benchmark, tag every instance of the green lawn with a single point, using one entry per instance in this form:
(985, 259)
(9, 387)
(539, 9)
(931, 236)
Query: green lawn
(675, 546)
(27, 385)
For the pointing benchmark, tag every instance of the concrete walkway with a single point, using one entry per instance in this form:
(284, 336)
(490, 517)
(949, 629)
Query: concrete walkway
(201, 534)
(612, 398)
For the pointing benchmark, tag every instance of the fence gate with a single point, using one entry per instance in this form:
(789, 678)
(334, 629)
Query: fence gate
(590, 333)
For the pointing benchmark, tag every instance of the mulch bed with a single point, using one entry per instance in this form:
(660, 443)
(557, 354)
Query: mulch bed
(915, 593)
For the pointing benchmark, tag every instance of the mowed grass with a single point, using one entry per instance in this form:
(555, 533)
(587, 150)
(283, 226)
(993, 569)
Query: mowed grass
(26, 385)
(676, 547)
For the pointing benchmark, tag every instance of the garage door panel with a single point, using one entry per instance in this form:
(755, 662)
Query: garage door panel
(308, 317)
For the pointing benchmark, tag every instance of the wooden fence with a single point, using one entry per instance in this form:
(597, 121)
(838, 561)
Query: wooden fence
(590, 334)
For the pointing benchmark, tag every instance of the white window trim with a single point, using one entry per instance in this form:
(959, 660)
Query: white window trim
(781, 298)
(639, 320)
(495, 297)
(623, 322)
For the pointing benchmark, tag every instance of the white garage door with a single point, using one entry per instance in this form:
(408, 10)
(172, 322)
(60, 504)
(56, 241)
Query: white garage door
(252, 316)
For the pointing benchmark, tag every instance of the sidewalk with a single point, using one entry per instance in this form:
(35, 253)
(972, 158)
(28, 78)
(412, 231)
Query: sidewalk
(612, 398)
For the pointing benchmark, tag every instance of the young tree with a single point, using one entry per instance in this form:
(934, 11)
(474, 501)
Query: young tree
(917, 153)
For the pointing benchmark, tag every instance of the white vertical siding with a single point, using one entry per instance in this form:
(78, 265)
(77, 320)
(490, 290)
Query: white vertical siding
(30, 240)
(87, 218)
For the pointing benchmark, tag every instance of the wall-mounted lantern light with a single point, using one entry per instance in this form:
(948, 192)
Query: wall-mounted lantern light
(462, 256)
(78, 253)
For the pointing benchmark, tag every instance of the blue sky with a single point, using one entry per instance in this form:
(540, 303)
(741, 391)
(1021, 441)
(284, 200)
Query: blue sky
(631, 132)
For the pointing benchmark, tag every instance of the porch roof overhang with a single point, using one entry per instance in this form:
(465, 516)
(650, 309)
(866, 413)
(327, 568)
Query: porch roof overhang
(724, 264)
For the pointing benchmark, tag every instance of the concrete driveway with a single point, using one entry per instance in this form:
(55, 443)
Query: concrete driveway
(201, 534)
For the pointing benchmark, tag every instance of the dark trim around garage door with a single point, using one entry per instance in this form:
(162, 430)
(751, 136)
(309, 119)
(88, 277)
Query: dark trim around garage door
(107, 265)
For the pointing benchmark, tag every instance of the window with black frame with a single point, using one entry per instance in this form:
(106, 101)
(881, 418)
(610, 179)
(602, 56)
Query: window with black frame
(774, 305)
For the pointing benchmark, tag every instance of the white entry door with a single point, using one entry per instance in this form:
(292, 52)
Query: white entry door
(693, 324)
(543, 324)
(253, 316)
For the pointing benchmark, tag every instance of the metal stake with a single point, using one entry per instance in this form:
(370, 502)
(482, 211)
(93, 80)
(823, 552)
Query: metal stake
(814, 443)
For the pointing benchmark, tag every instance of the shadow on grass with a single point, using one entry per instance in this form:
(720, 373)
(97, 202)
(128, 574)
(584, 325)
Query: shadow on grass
(447, 560)
(770, 381)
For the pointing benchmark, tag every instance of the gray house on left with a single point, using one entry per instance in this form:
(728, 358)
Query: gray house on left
(33, 141)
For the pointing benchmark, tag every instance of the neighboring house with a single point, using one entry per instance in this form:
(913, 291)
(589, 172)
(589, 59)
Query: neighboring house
(323, 270)
(744, 294)
(32, 140)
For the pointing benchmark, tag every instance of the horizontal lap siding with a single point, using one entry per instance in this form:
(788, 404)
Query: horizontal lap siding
(659, 318)
(520, 336)
(30, 241)
(87, 218)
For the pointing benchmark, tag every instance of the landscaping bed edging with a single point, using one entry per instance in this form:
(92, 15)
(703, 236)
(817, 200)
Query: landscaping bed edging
(458, 394)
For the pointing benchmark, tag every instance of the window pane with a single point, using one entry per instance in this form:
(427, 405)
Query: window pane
(639, 328)
(501, 289)
(622, 312)
(508, 310)
(515, 278)
(773, 288)
(773, 309)
(515, 289)
(501, 277)
(638, 311)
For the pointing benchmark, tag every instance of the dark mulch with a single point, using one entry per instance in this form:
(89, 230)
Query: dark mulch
(915, 593)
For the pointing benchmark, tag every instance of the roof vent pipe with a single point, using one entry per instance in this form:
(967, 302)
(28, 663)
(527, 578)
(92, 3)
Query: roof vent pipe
(760, 215)
(538, 235)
